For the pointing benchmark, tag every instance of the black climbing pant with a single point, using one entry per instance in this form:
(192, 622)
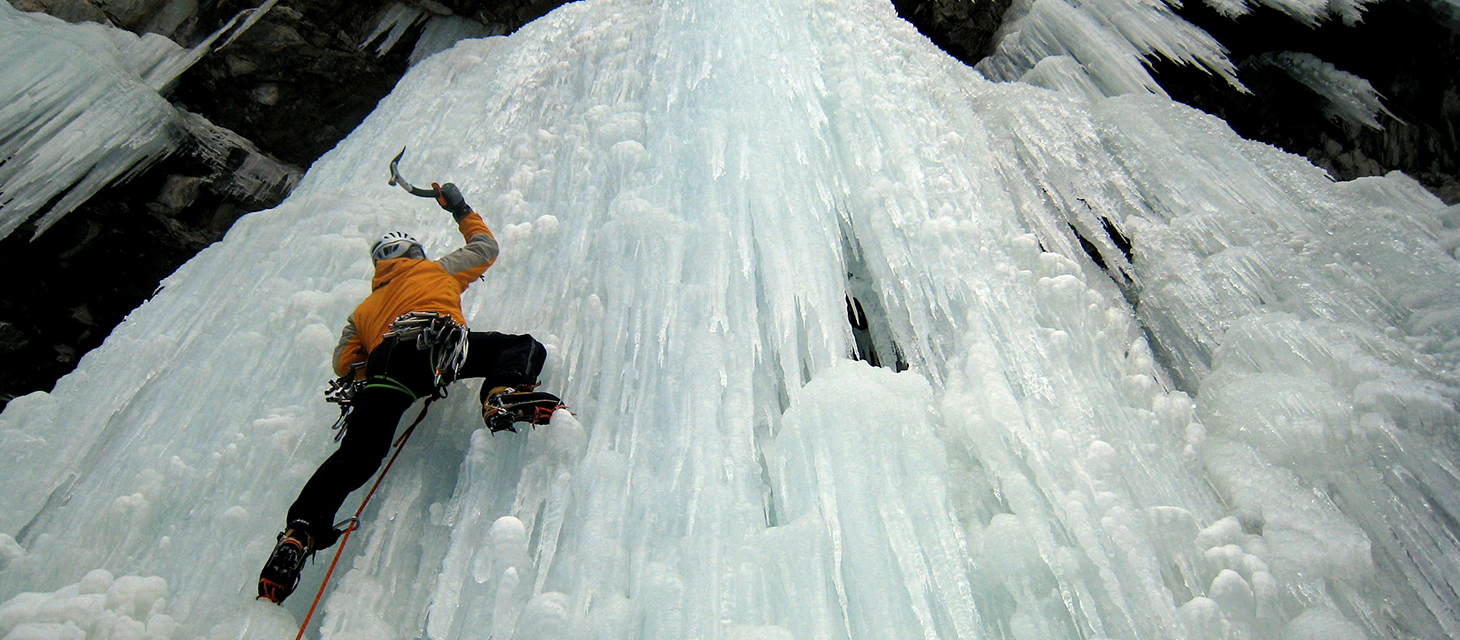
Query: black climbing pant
(399, 374)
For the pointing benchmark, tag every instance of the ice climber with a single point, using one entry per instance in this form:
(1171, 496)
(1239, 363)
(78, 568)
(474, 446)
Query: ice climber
(406, 341)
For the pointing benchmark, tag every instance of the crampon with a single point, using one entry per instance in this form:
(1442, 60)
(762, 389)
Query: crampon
(504, 409)
(281, 574)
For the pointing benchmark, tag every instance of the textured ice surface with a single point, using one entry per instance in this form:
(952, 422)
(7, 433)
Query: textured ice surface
(1244, 428)
(99, 606)
(1108, 38)
(441, 32)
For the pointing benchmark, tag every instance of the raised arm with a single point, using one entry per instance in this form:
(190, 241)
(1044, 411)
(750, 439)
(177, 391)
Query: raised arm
(469, 262)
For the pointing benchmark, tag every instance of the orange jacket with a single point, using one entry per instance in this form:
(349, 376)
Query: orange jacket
(403, 285)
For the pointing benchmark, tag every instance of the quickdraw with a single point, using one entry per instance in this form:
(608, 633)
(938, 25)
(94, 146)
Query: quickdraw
(342, 392)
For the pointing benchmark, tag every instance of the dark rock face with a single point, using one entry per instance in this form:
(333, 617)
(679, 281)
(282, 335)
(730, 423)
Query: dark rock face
(511, 14)
(80, 279)
(68, 10)
(963, 28)
(1403, 47)
(297, 82)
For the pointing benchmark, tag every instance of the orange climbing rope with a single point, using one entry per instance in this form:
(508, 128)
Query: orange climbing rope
(355, 521)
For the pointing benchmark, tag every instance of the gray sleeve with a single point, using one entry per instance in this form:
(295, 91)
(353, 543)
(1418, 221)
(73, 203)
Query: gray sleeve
(346, 335)
(481, 249)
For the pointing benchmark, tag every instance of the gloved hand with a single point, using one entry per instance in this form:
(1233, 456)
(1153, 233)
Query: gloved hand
(449, 197)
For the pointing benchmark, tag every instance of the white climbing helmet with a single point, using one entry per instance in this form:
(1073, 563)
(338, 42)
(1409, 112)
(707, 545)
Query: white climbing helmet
(396, 244)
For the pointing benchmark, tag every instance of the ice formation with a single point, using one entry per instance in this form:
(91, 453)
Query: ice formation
(1109, 39)
(75, 112)
(99, 606)
(251, 174)
(441, 32)
(438, 33)
(1349, 97)
(1106, 43)
(392, 24)
(1241, 426)
(81, 107)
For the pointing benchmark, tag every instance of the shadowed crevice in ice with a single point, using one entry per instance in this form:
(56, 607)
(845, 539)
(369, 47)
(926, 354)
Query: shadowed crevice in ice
(872, 334)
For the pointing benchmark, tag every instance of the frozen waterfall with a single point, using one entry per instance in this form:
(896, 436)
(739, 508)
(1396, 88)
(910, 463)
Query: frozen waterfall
(1242, 425)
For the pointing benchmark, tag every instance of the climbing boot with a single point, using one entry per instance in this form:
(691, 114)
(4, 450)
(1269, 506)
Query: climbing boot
(281, 574)
(505, 406)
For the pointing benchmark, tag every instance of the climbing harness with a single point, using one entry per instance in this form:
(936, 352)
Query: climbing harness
(437, 333)
(353, 523)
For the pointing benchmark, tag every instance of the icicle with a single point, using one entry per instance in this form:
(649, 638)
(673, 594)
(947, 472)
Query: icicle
(1054, 28)
(1349, 97)
(163, 76)
(73, 117)
(441, 32)
(256, 177)
(82, 109)
(393, 23)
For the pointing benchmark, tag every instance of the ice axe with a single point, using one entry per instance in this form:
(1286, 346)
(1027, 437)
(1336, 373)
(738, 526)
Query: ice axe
(446, 195)
(396, 179)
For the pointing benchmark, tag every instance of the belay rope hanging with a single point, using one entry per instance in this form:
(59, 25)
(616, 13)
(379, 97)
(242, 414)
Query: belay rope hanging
(435, 333)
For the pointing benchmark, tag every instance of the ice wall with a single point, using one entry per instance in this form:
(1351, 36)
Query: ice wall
(1241, 429)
